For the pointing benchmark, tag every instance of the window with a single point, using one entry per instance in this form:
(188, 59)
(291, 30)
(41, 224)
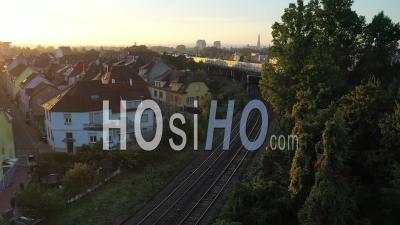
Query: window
(92, 138)
(190, 100)
(155, 93)
(48, 115)
(67, 119)
(94, 97)
(145, 118)
(132, 104)
(95, 117)
(197, 87)
(161, 94)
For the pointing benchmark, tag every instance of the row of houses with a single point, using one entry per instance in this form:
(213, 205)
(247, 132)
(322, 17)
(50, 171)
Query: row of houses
(74, 118)
(66, 99)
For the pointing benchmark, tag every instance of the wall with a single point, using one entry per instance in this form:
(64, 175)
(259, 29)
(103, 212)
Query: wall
(81, 136)
(7, 147)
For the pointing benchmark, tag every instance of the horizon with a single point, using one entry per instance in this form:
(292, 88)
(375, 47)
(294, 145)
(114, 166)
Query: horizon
(62, 23)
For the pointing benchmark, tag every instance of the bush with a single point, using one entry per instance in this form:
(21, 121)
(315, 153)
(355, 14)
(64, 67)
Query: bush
(55, 162)
(78, 179)
(40, 201)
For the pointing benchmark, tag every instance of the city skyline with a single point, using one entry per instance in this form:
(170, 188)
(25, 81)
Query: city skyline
(100, 23)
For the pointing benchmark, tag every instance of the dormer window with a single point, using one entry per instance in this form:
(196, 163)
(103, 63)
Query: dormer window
(94, 97)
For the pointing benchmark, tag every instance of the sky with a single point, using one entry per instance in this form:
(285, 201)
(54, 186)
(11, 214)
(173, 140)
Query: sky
(151, 22)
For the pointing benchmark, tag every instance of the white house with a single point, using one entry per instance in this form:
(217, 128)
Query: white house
(74, 118)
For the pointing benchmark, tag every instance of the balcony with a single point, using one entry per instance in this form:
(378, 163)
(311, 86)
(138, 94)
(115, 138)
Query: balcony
(93, 126)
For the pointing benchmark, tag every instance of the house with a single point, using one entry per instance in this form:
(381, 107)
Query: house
(157, 70)
(7, 150)
(42, 63)
(94, 70)
(69, 75)
(75, 117)
(62, 52)
(38, 96)
(179, 90)
(122, 73)
(75, 73)
(20, 59)
(15, 77)
(27, 86)
(51, 71)
(10, 76)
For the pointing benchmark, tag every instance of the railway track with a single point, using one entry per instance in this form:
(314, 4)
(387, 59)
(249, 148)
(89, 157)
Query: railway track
(188, 202)
(207, 200)
(184, 184)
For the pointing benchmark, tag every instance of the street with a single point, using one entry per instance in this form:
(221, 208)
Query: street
(27, 143)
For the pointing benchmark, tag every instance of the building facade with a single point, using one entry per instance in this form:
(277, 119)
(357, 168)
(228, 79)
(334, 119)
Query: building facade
(75, 117)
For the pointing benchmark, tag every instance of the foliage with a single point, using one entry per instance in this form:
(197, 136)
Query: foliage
(330, 195)
(390, 129)
(333, 82)
(79, 178)
(55, 162)
(40, 201)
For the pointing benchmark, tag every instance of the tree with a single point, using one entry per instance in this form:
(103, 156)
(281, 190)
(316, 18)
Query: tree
(181, 48)
(380, 41)
(390, 130)
(330, 201)
(363, 107)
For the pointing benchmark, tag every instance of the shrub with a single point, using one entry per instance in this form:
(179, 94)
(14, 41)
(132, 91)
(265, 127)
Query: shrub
(40, 201)
(78, 179)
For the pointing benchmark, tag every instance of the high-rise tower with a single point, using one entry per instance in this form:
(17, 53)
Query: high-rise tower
(258, 42)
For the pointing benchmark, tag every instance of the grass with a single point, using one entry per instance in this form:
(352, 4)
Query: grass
(123, 195)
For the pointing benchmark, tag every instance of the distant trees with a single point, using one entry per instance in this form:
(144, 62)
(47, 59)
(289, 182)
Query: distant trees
(180, 48)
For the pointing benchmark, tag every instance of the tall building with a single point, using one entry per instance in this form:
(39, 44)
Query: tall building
(217, 44)
(201, 44)
(258, 42)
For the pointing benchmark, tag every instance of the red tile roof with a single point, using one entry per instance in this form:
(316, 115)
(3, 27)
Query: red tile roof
(88, 95)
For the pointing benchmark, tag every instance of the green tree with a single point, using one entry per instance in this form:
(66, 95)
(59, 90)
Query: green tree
(390, 129)
(380, 41)
(330, 201)
(363, 107)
